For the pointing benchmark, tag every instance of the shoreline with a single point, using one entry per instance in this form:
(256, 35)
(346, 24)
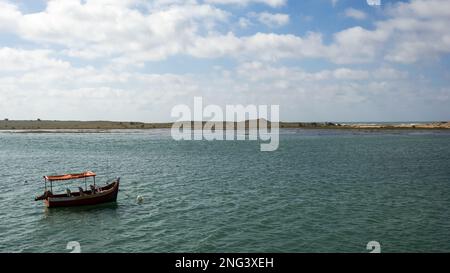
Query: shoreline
(45, 126)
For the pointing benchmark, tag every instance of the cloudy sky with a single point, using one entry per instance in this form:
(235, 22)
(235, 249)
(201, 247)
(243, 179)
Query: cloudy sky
(320, 60)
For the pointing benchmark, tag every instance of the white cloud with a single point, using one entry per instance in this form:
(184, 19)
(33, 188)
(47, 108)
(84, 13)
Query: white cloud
(424, 9)
(132, 37)
(350, 74)
(92, 30)
(414, 31)
(419, 30)
(12, 60)
(356, 45)
(165, 28)
(9, 16)
(355, 14)
(244, 22)
(119, 35)
(93, 93)
(389, 73)
(272, 20)
(342, 91)
(271, 3)
(258, 71)
(58, 90)
(261, 46)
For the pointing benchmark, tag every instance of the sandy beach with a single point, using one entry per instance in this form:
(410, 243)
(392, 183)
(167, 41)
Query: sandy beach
(98, 126)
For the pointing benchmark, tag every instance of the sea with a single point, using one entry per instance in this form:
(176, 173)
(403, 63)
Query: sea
(321, 191)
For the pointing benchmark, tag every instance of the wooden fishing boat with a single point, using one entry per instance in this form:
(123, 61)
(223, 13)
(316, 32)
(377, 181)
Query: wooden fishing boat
(93, 196)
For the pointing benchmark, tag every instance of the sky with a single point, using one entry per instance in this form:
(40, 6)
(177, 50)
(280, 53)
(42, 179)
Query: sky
(134, 60)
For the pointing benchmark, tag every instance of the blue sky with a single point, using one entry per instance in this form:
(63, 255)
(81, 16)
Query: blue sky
(320, 60)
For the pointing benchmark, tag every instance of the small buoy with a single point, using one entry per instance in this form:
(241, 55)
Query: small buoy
(139, 199)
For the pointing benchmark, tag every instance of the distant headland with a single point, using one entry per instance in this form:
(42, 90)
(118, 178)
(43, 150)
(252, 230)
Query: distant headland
(43, 125)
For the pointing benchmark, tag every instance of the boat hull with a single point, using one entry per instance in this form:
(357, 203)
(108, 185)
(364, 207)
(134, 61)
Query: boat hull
(106, 195)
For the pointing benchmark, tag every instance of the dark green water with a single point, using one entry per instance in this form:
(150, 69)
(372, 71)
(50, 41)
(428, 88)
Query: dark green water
(322, 191)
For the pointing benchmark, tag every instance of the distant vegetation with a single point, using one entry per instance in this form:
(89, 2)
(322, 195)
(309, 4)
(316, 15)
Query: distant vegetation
(82, 125)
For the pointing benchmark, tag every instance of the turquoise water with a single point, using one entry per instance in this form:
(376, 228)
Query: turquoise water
(322, 191)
